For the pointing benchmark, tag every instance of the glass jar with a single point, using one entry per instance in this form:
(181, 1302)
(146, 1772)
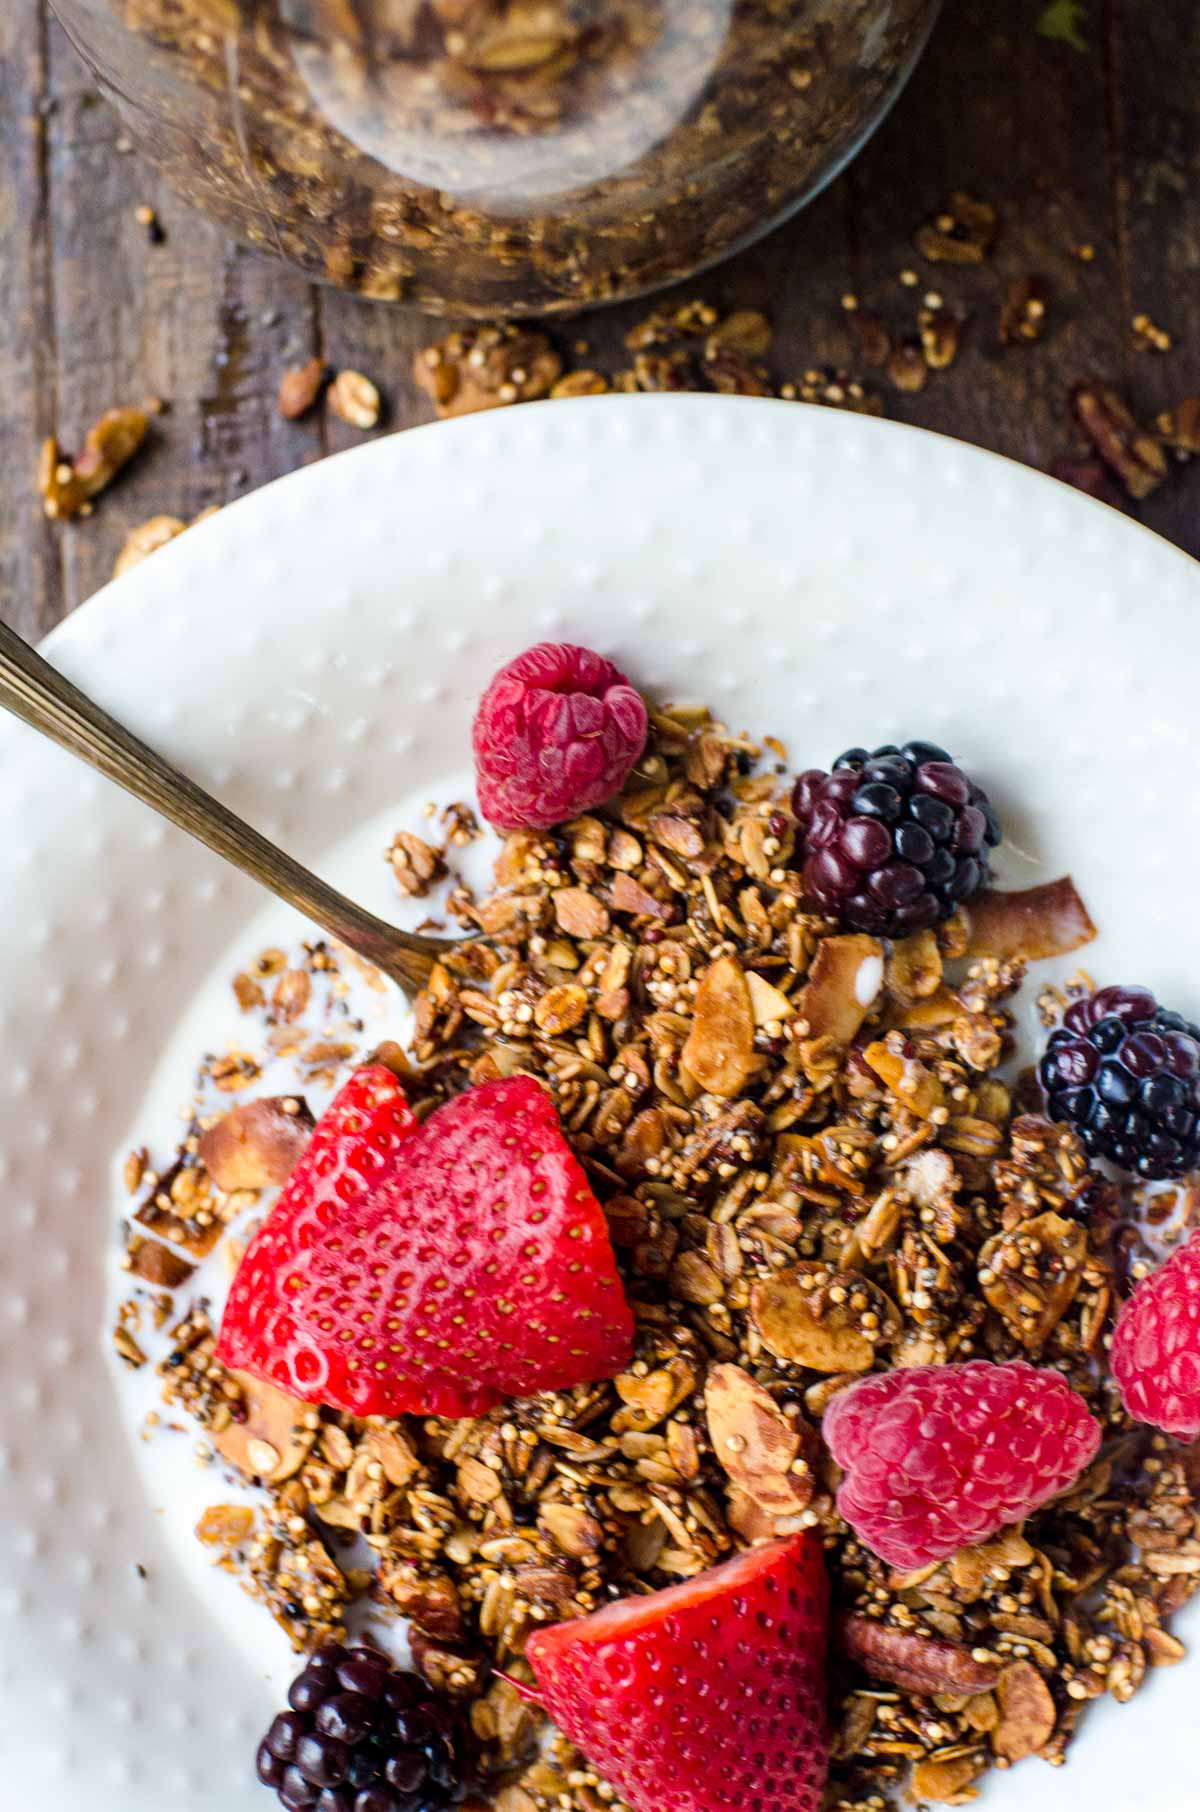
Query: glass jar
(499, 157)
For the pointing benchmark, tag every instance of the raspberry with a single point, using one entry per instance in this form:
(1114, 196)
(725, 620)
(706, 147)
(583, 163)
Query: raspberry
(556, 733)
(941, 1456)
(363, 1737)
(1156, 1346)
(893, 839)
(1126, 1075)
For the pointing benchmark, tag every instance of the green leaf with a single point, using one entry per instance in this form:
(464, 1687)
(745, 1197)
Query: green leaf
(1063, 20)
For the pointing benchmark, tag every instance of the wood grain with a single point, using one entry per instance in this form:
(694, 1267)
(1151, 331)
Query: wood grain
(33, 594)
(1099, 147)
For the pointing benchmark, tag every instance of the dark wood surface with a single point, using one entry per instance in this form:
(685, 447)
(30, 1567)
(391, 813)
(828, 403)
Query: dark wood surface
(1099, 146)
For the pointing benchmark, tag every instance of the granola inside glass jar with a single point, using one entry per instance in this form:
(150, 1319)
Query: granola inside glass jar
(499, 156)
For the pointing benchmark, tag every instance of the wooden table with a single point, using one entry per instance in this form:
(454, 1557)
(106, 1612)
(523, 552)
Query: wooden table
(1097, 147)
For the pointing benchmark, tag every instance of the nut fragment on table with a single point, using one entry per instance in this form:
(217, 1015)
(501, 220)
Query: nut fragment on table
(299, 388)
(67, 487)
(486, 368)
(1023, 312)
(149, 536)
(1134, 454)
(355, 400)
(962, 233)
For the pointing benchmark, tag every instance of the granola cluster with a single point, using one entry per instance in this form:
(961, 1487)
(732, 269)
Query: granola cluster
(498, 156)
(813, 1166)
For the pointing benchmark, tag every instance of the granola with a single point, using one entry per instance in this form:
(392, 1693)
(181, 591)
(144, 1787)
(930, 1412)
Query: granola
(814, 1163)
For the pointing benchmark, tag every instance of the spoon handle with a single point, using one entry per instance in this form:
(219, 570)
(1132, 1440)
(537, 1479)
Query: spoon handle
(36, 692)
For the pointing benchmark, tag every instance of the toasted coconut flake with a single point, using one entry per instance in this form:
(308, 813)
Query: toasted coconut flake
(1038, 922)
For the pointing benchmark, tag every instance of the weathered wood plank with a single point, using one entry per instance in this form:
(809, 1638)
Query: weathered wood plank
(1154, 54)
(29, 569)
(194, 320)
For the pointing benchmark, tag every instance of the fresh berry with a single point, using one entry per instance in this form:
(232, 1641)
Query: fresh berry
(708, 1697)
(940, 1456)
(1126, 1075)
(433, 1269)
(894, 839)
(1155, 1355)
(363, 1737)
(556, 733)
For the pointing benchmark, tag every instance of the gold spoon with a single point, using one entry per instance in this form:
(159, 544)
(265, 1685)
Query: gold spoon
(36, 692)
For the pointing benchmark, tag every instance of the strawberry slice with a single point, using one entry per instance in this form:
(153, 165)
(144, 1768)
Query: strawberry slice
(431, 1269)
(708, 1697)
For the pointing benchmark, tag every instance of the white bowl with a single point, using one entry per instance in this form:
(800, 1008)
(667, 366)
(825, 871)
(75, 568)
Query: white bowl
(313, 655)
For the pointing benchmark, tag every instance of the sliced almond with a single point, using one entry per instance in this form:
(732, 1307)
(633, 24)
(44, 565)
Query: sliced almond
(826, 1320)
(719, 1051)
(758, 1446)
(399, 1461)
(274, 1441)
(571, 1528)
(579, 913)
(1027, 1714)
(768, 1005)
(842, 987)
(256, 1145)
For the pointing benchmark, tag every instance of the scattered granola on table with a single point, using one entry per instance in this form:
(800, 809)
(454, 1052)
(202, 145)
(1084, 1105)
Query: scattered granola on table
(69, 486)
(815, 1169)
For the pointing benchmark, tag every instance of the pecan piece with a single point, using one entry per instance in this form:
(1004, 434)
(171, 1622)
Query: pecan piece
(1180, 427)
(417, 865)
(67, 487)
(425, 1595)
(1135, 455)
(146, 539)
(156, 1264)
(873, 339)
(963, 233)
(914, 1663)
(1023, 312)
(355, 400)
(486, 368)
(299, 388)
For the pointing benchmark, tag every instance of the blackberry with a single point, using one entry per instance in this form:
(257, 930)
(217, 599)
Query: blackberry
(361, 1736)
(894, 838)
(1126, 1075)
